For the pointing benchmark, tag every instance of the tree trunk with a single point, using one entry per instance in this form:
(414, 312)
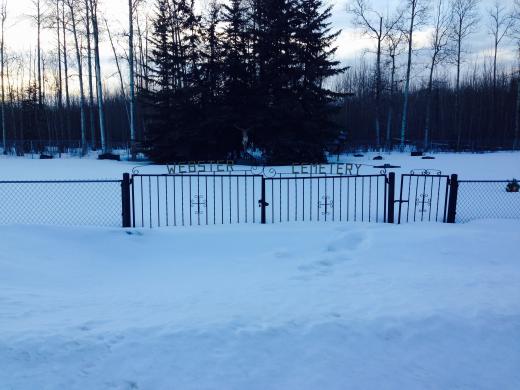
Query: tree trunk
(95, 28)
(90, 82)
(2, 65)
(132, 77)
(408, 71)
(66, 69)
(427, 124)
(516, 140)
(118, 67)
(378, 83)
(59, 92)
(391, 105)
(38, 45)
(81, 88)
(458, 125)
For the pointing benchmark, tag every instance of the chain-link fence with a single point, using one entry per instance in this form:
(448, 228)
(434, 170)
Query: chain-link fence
(488, 199)
(66, 203)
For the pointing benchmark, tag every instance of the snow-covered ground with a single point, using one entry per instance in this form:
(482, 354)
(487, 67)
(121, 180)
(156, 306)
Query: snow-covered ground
(292, 306)
(503, 165)
(296, 306)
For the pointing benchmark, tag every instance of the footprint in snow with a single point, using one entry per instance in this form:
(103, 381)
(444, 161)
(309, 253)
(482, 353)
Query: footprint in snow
(322, 267)
(348, 242)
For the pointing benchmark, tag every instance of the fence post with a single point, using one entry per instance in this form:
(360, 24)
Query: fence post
(452, 204)
(263, 204)
(125, 201)
(391, 197)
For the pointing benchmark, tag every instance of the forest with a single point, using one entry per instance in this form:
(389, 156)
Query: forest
(258, 79)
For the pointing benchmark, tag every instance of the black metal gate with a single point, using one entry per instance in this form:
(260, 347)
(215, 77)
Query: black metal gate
(217, 199)
(195, 199)
(361, 198)
(424, 197)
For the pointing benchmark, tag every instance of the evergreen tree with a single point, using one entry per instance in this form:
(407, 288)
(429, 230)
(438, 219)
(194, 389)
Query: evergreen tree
(157, 98)
(259, 82)
(295, 52)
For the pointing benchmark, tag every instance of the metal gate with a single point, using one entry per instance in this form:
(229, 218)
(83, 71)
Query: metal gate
(195, 199)
(424, 197)
(361, 198)
(217, 199)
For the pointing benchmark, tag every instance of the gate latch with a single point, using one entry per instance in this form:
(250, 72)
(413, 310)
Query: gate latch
(262, 203)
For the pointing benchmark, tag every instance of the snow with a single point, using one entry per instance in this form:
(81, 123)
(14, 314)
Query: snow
(294, 306)
(285, 306)
(469, 166)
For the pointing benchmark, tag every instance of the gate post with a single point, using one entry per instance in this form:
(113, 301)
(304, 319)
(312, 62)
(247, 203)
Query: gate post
(125, 201)
(391, 197)
(452, 204)
(263, 219)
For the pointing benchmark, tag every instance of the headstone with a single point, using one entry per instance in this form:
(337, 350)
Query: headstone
(109, 156)
(387, 166)
(45, 157)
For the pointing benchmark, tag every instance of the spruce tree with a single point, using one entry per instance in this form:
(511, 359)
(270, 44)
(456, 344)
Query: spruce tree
(295, 51)
(259, 81)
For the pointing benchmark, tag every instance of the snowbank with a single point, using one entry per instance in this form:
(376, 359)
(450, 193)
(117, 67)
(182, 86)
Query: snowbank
(297, 306)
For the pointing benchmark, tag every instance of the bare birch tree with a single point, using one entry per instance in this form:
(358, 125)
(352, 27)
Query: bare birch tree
(500, 24)
(73, 4)
(416, 12)
(465, 21)
(93, 4)
(64, 22)
(88, 36)
(394, 49)
(378, 27)
(132, 4)
(516, 35)
(3, 18)
(438, 45)
(59, 92)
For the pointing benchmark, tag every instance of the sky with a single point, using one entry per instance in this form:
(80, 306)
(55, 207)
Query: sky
(352, 45)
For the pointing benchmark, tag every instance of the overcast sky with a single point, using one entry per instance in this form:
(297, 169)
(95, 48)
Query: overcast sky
(21, 33)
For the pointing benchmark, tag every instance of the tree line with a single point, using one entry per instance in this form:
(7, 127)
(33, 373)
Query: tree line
(58, 96)
(444, 107)
(258, 79)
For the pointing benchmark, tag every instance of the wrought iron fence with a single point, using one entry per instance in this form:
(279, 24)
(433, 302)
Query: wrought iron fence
(487, 199)
(149, 200)
(423, 197)
(246, 197)
(61, 202)
(195, 199)
(361, 198)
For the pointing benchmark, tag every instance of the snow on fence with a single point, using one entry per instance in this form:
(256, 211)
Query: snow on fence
(188, 199)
